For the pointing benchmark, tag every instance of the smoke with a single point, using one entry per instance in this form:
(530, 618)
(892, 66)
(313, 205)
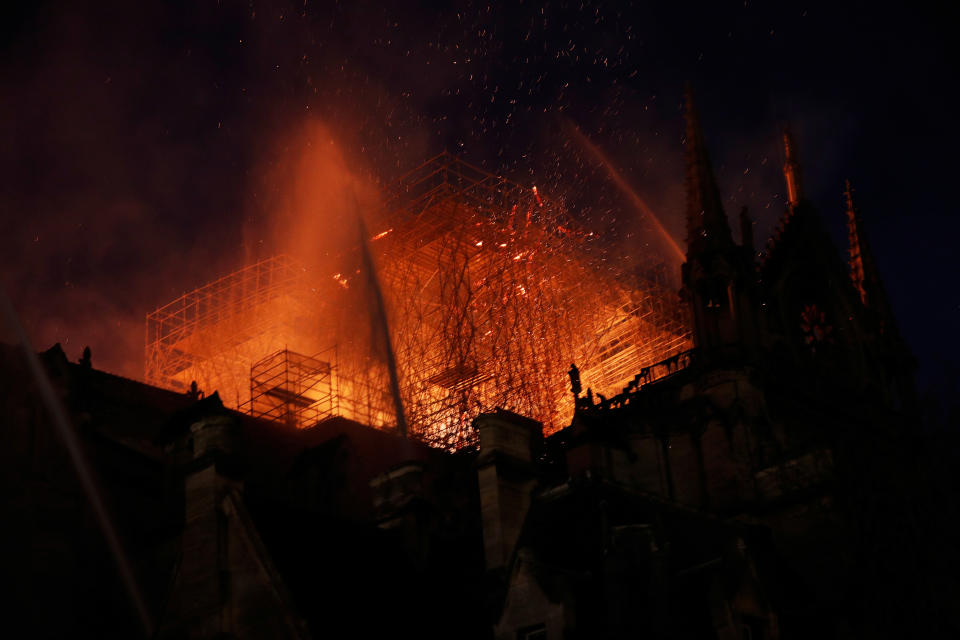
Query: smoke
(143, 160)
(311, 195)
(315, 197)
(153, 148)
(104, 212)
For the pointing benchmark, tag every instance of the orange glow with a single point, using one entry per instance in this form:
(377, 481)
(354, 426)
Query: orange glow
(473, 327)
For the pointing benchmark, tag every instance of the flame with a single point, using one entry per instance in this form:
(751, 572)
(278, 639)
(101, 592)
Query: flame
(472, 330)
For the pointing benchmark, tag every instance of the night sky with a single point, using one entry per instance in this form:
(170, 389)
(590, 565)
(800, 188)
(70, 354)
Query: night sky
(145, 144)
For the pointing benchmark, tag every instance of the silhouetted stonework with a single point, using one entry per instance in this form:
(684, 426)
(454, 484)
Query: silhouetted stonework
(759, 486)
(765, 484)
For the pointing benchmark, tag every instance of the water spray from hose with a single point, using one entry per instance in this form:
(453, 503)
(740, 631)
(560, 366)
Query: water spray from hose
(625, 187)
(61, 423)
(379, 319)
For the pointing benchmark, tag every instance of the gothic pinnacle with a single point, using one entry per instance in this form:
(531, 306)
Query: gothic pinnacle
(791, 170)
(706, 221)
(854, 233)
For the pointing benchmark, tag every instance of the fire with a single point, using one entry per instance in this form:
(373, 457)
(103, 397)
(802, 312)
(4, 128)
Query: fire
(473, 327)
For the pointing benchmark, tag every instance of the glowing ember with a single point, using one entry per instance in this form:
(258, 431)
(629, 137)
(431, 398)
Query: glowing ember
(473, 327)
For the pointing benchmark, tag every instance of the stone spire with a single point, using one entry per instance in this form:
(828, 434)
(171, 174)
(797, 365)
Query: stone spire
(716, 276)
(791, 170)
(867, 282)
(707, 225)
(863, 265)
(858, 248)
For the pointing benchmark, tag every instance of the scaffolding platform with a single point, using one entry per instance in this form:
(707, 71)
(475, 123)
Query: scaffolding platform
(292, 388)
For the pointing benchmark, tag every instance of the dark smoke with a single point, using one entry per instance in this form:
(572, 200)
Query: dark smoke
(147, 145)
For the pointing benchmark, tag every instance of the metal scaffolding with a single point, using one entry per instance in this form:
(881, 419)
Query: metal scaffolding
(491, 290)
(214, 333)
(293, 388)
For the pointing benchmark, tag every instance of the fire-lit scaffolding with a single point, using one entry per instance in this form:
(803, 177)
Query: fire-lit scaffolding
(494, 291)
(293, 388)
(491, 293)
(220, 329)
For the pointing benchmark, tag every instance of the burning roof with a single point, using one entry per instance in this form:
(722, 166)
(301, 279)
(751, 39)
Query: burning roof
(491, 291)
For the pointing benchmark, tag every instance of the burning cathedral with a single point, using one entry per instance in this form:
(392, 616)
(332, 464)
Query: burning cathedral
(535, 447)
